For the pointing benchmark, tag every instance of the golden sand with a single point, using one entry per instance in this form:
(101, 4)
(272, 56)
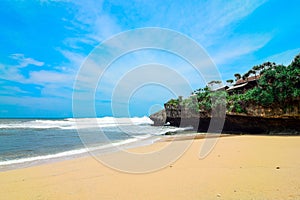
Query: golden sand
(239, 167)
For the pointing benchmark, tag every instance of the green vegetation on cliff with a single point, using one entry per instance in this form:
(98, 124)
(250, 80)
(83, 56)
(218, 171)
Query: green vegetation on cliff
(272, 86)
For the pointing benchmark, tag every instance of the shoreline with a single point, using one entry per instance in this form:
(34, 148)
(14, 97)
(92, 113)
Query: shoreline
(78, 153)
(85, 152)
(102, 150)
(47, 141)
(239, 167)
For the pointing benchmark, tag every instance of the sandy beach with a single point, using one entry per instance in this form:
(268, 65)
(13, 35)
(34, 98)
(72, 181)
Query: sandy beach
(239, 167)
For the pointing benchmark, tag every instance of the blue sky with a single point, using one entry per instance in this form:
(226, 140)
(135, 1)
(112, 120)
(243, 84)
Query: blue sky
(44, 43)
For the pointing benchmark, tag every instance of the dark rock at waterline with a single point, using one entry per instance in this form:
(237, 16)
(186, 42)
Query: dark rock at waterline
(232, 123)
(159, 118)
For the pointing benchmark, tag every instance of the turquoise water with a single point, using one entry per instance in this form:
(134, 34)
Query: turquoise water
(28, 140)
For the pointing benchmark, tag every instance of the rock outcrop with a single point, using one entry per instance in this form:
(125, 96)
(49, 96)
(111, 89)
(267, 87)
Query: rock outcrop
(159, 118)
(260, 121)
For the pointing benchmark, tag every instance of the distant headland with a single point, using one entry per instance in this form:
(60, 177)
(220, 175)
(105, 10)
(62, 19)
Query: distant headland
(264, 100)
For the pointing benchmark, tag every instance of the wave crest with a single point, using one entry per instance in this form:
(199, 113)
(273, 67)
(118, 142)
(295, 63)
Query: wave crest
(74, 123)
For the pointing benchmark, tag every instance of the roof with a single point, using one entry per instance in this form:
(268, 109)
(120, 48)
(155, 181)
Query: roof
(252, 78)
(237, 86)
(224, 87)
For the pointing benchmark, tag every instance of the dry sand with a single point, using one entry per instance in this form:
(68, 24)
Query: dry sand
(239, 167)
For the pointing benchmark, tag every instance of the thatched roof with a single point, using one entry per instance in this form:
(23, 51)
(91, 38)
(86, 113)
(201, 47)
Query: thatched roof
(250, 79)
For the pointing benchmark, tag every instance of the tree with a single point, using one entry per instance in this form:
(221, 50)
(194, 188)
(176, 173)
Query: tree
(261, 68)
(293, 75)
(245, 76)
(237, 76)
(256, 69)
(213, 84)
(296, 62)
(267, 65)
(278, 86)
(230, 81)
(251, 71)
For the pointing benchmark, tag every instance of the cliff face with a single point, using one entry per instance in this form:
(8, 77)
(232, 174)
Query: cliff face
(259, 120)
(292, 110)
(268, 102)
(159, 118)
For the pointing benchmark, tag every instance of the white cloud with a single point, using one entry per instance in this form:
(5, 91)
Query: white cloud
(52, 90)
(103, 27)
(216, 30)
(240, 46)
(43, 76)
(221, 14)
(24, 62)
(12, 90)
(207, 22)
(284, 58)
(75, 59)
(94, 23)
(11, 73)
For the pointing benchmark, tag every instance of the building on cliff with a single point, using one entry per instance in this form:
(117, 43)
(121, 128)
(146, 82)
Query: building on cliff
(242, 85)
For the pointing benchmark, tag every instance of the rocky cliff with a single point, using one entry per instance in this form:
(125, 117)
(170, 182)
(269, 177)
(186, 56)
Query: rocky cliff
(259, 120)
(267, 102)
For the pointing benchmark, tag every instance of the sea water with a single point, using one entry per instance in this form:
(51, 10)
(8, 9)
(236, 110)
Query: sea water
(24, 142)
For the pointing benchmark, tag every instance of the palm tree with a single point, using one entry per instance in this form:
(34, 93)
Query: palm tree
(261, 68)
(237, 76)
(213, 83)
(256, 69)
(251, 71)
(269, 65)
(245, 76)
(230, 81)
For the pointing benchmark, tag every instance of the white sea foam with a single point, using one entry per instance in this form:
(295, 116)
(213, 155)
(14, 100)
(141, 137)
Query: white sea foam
(138, 128)
(70, 153)
(44, 157)
(173, 130)
(75, 123)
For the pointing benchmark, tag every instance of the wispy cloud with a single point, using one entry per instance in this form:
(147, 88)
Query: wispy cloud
(284, 58)
(210, 23)
(222, 15)
(239, 46)
(44, 77)
(54, 83)
(25, 61)
(12, 90)
(75, 58)
(225, 29)
(217, 35)
(94, 23)
(39, 77)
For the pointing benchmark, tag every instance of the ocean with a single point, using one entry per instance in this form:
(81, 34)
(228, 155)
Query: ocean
(27, 142)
